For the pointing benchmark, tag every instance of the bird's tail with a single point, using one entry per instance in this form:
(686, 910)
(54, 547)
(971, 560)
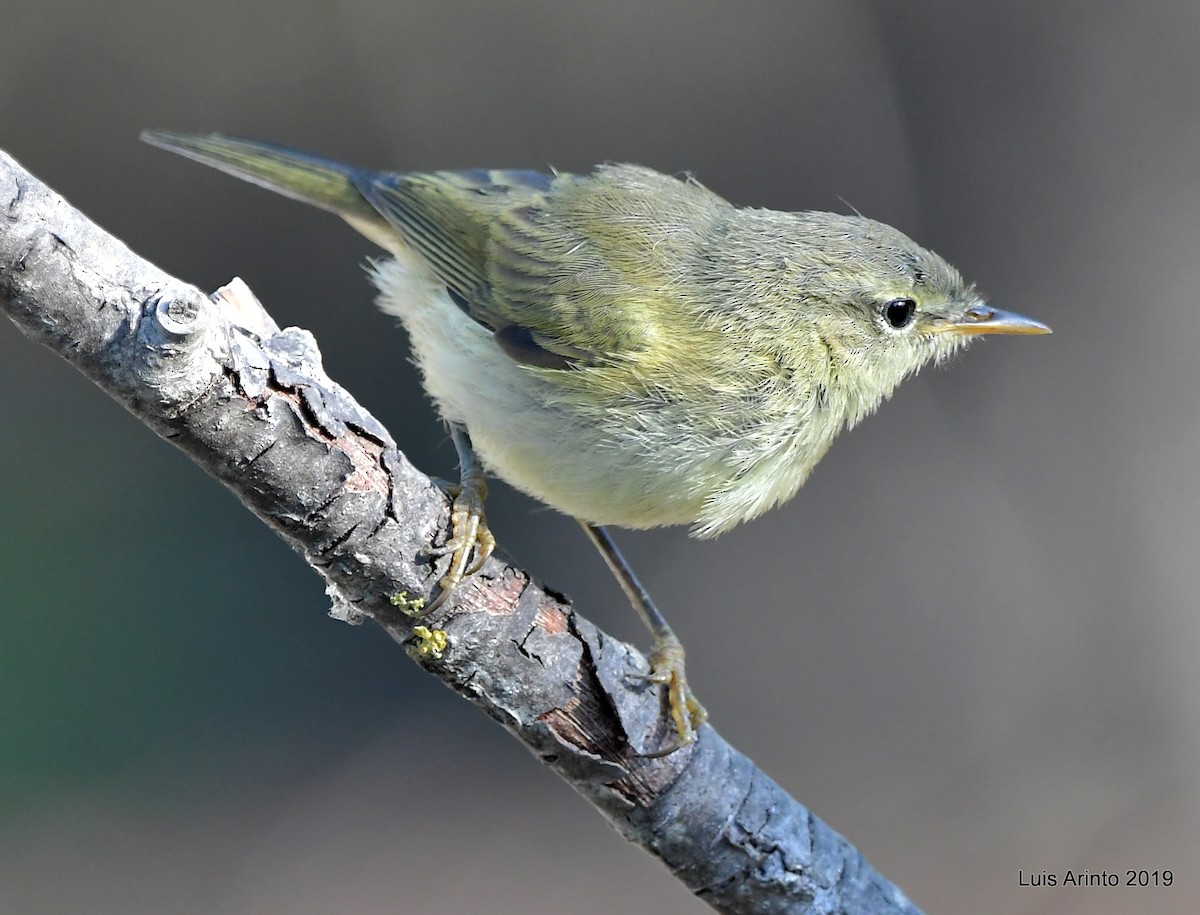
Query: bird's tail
(310, 179)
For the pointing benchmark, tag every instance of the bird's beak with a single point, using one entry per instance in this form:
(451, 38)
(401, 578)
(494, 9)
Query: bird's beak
(983, 319)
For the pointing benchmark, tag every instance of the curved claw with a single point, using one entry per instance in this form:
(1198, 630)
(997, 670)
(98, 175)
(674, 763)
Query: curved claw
(667, 669)
(470, 543)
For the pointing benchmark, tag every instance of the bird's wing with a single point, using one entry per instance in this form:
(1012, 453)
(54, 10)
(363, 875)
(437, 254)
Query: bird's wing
(564, 269)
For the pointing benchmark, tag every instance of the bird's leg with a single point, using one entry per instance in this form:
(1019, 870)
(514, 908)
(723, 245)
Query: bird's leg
(470, 543)
(667, 658)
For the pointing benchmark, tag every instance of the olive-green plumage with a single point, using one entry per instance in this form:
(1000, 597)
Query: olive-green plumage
(629, 347)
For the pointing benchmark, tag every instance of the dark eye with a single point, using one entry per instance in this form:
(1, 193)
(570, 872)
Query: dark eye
(899, 312)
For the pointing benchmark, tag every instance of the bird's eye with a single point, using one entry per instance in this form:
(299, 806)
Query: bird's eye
(899, 312)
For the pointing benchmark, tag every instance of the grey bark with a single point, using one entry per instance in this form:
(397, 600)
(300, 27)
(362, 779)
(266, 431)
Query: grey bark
(252, 405)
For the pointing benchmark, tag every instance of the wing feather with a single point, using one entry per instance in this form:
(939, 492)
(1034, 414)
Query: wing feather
(561, 267)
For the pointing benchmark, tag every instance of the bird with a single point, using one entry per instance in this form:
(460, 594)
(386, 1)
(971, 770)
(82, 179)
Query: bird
(628, 347)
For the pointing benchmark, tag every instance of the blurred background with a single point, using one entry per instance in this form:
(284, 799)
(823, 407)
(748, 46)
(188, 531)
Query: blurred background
(968, 644)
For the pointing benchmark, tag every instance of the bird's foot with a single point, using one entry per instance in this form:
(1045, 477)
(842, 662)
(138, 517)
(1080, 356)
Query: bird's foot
(667, 669)
(470, 543)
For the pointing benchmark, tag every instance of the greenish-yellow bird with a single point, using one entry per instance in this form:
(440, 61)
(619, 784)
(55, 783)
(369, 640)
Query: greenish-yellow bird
(629, 347)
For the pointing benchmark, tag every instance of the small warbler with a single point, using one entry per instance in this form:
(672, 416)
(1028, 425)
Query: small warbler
(629, 347)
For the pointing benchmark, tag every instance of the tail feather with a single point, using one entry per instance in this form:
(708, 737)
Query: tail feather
(310, 179)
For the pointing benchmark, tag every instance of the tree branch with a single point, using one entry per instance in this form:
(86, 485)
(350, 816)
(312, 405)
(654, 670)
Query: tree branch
(252, 405)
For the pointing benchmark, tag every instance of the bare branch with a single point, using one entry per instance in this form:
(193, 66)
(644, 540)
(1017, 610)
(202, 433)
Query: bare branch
(252, 405)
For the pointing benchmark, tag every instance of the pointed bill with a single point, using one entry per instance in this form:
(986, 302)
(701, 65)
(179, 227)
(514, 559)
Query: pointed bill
(983, 319)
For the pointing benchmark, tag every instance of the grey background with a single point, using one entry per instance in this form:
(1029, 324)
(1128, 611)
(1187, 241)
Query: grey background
(968, 644)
